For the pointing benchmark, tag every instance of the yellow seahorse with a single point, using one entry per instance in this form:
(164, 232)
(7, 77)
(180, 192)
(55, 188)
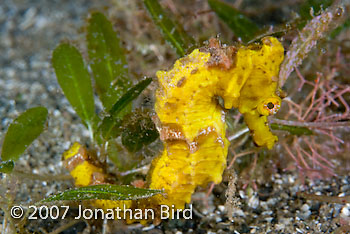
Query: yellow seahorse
(191, 121)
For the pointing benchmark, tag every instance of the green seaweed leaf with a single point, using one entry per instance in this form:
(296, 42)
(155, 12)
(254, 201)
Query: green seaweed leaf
(130, 95)
(107, 60)
(7, 166)
(74, 79)
(138, 130)
(105, 192)
(241, 25)
(21, 133)
(112, 122)
(173, 33)
(110, 127)
(123, 160)
(294, 130)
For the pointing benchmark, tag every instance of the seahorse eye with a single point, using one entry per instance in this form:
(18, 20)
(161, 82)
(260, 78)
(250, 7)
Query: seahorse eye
(270, 105)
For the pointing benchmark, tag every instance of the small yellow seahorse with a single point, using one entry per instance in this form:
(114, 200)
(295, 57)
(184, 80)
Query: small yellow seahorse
(191, 121)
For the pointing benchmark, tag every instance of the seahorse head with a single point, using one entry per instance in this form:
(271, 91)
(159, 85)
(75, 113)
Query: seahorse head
(259, 97)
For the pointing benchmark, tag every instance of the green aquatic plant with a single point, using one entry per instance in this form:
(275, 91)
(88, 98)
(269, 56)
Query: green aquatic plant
(116, 93)
(243, 27)
(119, 132)
(110, 73)
(172, 32)
(20, 134)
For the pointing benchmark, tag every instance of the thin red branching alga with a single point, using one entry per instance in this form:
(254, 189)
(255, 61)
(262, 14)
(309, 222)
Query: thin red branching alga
(324, 110)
